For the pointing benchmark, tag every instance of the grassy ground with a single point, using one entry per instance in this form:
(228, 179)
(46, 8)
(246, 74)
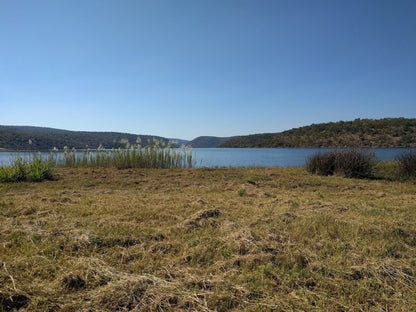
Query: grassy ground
(265, 239)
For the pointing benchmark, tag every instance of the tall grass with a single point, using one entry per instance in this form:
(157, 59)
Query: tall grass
(347, 163)
(322, 164)
(155, 156)
(35, 169)
(39, 169)
(363, 165)
(407, 164)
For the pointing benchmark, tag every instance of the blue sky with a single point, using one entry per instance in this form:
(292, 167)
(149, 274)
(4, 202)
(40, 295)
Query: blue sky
(182, 69)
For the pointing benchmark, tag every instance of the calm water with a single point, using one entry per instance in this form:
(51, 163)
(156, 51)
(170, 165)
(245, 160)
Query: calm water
(247, 157)
(271, 157)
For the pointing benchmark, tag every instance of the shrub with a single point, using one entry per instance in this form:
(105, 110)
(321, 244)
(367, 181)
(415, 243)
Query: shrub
(355, 164)
(407, 165)
(322, 164)
(387, 170)
(347, 163)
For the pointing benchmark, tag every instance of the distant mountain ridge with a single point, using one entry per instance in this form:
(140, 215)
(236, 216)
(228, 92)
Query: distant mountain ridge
(371, 133)
(41, 138)
(387, 132)
(179, 142)
(207, 141)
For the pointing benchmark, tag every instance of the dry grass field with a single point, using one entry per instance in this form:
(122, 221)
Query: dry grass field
(243, 239)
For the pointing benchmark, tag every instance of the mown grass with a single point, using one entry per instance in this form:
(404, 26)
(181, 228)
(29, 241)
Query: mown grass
(103, 239)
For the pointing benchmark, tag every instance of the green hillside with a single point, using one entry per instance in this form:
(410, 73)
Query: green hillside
(17, 138)
(388, 132)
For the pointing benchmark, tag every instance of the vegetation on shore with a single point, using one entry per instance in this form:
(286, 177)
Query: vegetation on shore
(155, 156)
(388, 132)
(237, 239)
(349, 163)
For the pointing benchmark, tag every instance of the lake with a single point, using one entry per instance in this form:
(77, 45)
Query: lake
(271, 157)
(247, 157)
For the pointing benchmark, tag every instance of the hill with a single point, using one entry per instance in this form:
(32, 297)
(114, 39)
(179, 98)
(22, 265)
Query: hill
(207, 141)
(388, 132)
(17, 137)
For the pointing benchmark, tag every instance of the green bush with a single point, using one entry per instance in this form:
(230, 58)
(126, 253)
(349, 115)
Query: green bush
(387, 170)
(347, 163)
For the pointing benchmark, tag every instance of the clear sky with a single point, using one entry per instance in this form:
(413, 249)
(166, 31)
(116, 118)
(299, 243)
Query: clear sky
(182, 69)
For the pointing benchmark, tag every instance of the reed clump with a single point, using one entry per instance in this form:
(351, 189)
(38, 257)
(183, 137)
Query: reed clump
(407, 164)
(38, 168)
(363, 165)
(347, 163)
(153, 156)
(34, 170)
